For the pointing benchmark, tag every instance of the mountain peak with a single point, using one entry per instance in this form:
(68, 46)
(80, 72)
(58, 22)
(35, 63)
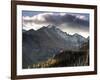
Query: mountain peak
(51, 26)
(31, 30)
(76, 34)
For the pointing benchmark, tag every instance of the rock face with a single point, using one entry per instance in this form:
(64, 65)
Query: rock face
(47, 42)
(73, 58)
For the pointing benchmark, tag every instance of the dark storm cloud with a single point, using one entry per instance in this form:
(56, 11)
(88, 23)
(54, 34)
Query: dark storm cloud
(70, 19)
(67, 19)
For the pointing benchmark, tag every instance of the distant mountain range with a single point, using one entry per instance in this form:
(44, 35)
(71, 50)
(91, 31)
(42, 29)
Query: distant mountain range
(47, 42)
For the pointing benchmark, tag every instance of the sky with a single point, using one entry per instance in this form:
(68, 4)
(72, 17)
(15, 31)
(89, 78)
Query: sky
(68, 22)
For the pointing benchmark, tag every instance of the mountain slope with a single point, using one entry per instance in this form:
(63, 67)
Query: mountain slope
(47, 42)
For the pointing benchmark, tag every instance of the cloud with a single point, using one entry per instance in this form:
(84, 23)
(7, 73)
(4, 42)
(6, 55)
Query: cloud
(58, 19)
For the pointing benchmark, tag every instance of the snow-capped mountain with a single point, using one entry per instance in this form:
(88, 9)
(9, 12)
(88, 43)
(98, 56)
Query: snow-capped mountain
(46, 42)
